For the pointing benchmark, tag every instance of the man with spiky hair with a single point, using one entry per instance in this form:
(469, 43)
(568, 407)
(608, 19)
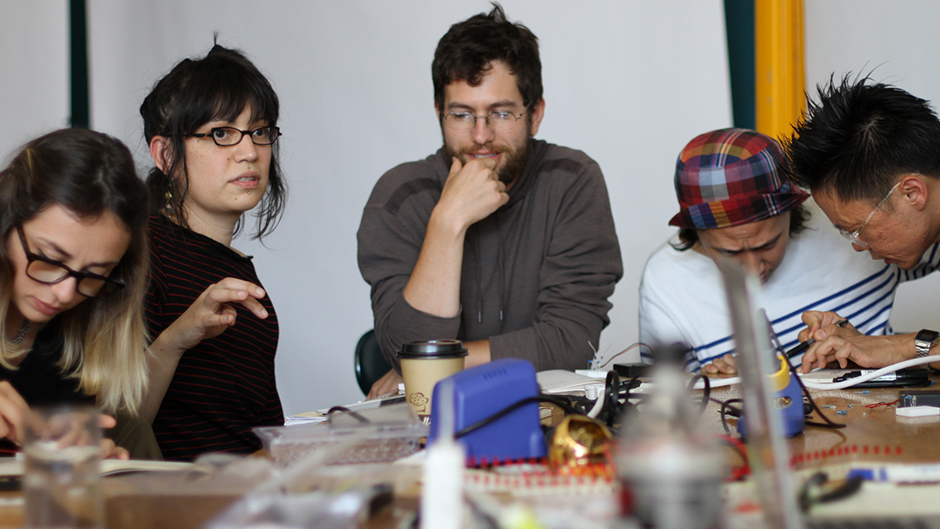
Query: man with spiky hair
(870, 155)
(737, 202)
(501, 240)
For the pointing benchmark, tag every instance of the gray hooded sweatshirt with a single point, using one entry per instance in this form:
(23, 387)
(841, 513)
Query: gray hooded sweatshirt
(536, 273)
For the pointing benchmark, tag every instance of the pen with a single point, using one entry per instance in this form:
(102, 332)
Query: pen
(803, 346)
(901, 375)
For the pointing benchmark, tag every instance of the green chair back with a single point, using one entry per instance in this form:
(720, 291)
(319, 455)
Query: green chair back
(371, 365)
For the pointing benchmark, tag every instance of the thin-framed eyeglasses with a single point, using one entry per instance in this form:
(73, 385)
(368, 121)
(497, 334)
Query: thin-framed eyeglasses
(497, 121)
(228, 136)
(49, 272)
(854, 236)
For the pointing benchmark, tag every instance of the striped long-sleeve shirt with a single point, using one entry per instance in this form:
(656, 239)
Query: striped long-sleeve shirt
(682, 296)
(224, 386)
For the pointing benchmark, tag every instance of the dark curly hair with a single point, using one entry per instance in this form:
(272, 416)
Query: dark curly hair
(466, 53)
(196, 91)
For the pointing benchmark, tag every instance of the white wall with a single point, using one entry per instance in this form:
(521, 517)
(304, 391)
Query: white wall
(628, 82)
(34, 74)
(894, 43)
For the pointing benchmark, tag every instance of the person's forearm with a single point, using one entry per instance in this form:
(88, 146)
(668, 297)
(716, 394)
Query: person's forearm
(904, 349)
(434, 285)
(478, 353)
(162, 364)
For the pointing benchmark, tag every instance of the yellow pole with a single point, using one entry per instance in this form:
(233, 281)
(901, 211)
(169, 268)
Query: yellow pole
(778, 68)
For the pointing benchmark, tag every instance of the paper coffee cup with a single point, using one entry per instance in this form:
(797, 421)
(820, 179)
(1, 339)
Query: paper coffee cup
(423, 364)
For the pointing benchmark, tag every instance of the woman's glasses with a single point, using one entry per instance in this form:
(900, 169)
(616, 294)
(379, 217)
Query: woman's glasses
(49, 272)
(228, 136)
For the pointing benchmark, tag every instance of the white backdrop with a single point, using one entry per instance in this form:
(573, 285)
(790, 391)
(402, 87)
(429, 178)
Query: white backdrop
(896, 43)
(34, 74)
(629, 82)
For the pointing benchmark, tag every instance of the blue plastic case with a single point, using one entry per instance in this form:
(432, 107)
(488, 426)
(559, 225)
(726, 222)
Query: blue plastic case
(482, 391)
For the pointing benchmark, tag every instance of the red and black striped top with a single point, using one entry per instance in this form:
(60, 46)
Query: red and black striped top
(224, 386)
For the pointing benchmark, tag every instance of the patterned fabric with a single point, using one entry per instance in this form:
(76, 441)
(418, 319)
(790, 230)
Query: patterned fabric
(682, 296)
(732, 176)
(225, 386)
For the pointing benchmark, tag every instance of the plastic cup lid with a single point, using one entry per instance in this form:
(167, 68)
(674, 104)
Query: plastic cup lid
(433, 349)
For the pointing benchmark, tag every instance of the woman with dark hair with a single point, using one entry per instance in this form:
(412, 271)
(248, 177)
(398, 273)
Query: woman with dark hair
(211, 125)
(72, 278)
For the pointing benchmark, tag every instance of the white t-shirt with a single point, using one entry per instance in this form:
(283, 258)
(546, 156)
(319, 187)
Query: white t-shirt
(682, 297)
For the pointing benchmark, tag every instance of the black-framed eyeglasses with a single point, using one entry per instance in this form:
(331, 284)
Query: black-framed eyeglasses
(497, 121)
(49, 272)
(228, 136)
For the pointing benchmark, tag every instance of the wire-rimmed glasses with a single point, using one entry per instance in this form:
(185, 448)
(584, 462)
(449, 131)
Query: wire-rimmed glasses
(497, 121)
(853, 236)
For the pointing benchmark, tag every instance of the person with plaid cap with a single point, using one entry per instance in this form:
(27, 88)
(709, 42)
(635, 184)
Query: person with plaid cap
(737, 201)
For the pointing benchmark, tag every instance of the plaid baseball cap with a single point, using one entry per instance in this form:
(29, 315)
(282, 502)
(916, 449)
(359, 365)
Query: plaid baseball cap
(732, 176)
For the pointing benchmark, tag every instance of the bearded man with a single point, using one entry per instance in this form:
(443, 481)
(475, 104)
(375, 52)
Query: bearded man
(498, 239)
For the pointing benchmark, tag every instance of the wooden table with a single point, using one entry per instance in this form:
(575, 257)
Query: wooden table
(872, 434)
(127, 505)
(873, 431)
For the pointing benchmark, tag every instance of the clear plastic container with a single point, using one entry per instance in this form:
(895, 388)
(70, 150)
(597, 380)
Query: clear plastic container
(378, 435)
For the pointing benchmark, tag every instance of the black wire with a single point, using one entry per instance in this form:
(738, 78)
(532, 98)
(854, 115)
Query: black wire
(611, 410)
(625, 387)
(511, 408)
(819, 424)
(805, 392)
(582, 405)
(828, 422)
(342, 409)
(557, 401)
(706, 391)
(842, 441)
(850, 486)
(806, 500)
(726, 405)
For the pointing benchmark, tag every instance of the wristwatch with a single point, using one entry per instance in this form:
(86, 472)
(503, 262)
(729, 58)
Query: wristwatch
(924, 340)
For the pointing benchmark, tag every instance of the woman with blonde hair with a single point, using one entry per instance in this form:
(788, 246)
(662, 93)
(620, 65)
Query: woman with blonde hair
(72, 278)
